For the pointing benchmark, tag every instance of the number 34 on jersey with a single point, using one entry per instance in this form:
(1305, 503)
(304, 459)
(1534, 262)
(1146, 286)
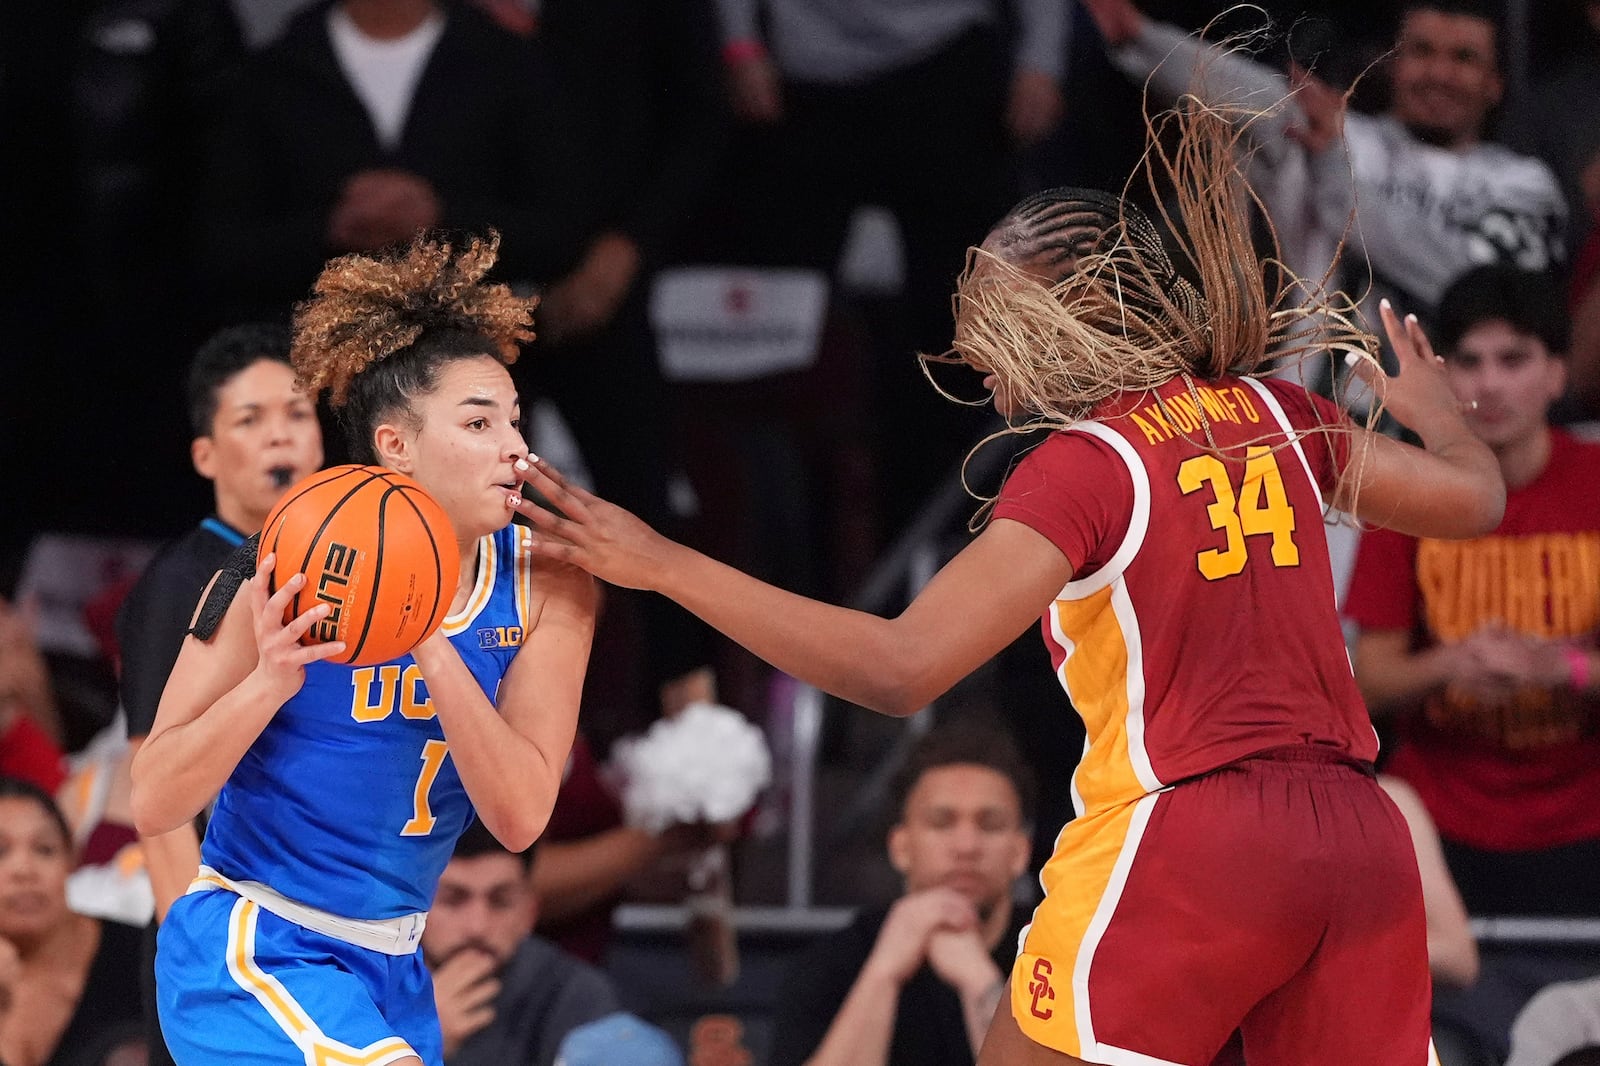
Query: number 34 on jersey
(1260, 509)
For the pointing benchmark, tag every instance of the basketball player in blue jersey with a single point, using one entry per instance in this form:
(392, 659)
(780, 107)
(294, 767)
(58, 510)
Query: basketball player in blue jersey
(343, 789)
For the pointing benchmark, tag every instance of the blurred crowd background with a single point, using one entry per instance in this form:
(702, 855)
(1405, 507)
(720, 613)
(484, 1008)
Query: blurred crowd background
(745, 218)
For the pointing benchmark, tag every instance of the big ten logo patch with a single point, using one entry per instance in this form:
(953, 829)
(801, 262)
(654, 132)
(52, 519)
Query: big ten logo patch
(1039, 988)
(332, 585)
(718, 1040)
(492, 637)
(380, 691)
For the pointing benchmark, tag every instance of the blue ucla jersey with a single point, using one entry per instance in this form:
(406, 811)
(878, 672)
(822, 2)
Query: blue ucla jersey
(349, 801)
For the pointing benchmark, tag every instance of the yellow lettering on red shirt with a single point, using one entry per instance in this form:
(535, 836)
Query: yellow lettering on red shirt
(1216, 409)
(1155, 415)
(1245, 403)
(1545, 585)
(1150, 432)
(1186, 412)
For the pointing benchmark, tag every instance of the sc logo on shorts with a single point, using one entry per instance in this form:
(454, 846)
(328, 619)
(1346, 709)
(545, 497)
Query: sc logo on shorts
(1039, 988)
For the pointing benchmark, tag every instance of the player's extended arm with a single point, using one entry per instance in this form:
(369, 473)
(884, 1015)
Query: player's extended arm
(1452, 951)
(1451, 486)
(1172, 62)
(221, 695)
(510, 760)
(982, 600)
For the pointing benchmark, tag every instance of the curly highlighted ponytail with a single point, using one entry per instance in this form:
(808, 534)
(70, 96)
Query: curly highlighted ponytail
(377, 328)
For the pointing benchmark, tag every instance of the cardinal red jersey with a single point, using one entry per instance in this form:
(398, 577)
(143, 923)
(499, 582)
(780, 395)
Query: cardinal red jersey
(1199, 626)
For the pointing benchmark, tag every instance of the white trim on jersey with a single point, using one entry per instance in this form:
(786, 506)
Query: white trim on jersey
(1116, 1056)
(1077, 797)
(1067, 647)
(1111, 576)
(1138, 519)
(1289, 430)
(1133, 642)
(482, 591)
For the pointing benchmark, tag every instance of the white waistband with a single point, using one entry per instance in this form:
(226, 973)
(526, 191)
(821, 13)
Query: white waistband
(391, 936)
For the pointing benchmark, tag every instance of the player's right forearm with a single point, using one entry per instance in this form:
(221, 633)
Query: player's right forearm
(1468, 479)
(177, 771)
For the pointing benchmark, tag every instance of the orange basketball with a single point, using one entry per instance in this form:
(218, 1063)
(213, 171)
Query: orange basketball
(376, 548)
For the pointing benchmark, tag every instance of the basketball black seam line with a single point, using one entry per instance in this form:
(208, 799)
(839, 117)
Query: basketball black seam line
(438, 563)
(377, 571)
(317, 537)
(282, 508)
(279, 513)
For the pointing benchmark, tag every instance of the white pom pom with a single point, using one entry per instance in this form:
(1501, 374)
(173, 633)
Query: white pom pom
(707, 764)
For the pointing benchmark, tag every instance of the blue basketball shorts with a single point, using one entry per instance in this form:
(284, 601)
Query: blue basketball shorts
(239, 986)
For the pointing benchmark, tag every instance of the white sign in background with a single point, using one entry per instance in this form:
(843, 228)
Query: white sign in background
(727, 324)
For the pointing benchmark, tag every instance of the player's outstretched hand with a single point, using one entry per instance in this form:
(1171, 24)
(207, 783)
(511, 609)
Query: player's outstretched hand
(590, 533)
(1418, 395)
(280, 657)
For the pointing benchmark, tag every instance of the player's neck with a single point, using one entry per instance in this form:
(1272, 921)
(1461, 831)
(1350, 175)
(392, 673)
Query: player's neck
(467, 578)
(385, 20)
(1522, 461)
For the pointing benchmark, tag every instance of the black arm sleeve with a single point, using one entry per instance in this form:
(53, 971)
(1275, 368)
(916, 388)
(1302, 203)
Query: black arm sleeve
(158, 614)
(235, 572)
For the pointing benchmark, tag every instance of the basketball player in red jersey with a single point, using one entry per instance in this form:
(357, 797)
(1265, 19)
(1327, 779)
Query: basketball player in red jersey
(1234, 867)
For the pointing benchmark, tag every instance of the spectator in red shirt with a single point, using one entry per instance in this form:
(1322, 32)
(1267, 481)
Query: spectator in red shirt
(1482, 652)
(29, 726)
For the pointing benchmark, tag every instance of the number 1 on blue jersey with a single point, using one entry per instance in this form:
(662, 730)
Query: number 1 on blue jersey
(421, 824)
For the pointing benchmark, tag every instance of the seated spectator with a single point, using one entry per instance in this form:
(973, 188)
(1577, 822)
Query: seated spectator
(918, 982)
(1559, 1027)
(1482, 653)
(505, 996)
(622, 1038)
(69, 991)
(26, 750)
(1419, 192)
(30, 723)
(371, 120)
(1452, 949)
